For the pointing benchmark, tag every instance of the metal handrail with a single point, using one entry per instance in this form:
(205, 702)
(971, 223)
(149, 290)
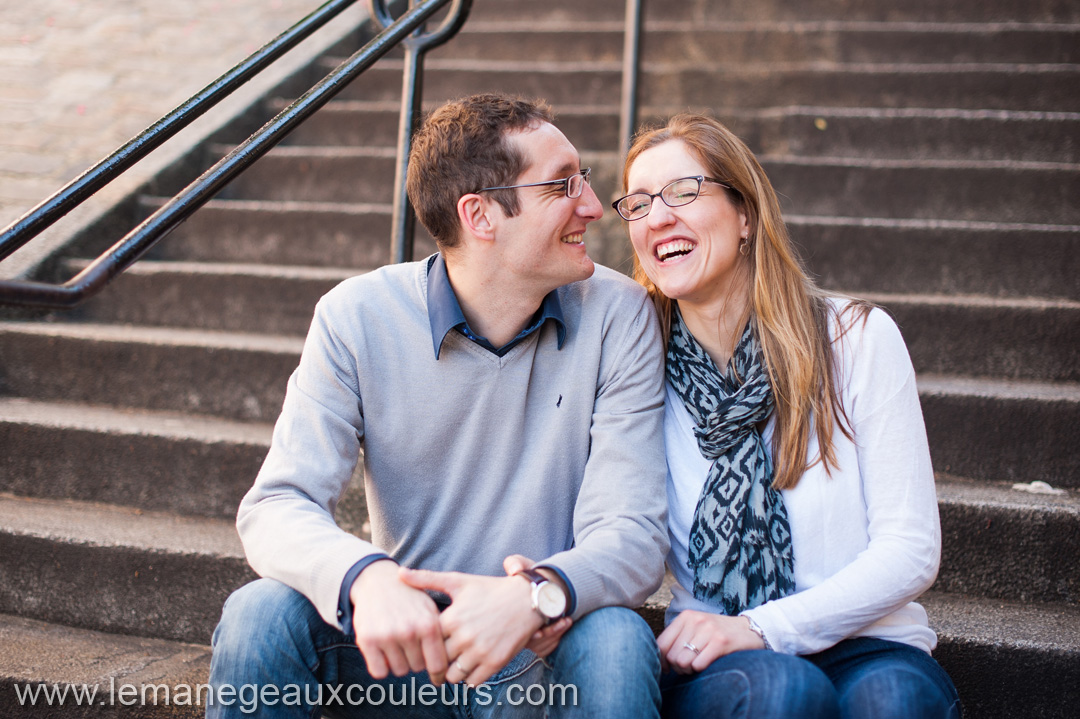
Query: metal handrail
(628, 113)
(409, 31)
(134, 244)
(78, 190)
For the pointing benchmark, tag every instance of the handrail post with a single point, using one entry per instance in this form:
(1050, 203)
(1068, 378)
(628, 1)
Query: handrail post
(628, 115)
(403, 222)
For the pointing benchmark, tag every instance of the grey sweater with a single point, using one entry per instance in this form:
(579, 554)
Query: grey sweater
(556, 454)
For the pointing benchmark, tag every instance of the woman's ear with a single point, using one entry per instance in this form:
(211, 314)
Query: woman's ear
(474, 213)
(744, 225)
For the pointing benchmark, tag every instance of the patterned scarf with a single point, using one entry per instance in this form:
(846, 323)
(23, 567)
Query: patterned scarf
(740, 540)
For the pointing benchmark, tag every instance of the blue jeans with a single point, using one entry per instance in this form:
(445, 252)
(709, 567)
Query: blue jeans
(860, 678)
(274, 656)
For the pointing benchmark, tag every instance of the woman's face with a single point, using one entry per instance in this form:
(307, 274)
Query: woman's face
(691, 253)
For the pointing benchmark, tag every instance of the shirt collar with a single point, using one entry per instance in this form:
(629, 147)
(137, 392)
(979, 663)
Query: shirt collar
(444, 310)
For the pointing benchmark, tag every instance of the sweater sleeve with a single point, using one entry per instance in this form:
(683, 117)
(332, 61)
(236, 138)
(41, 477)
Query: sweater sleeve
(286, 520)
(901, 549)
(620, 535)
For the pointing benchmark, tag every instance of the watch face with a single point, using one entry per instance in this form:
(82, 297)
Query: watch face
(550, 600)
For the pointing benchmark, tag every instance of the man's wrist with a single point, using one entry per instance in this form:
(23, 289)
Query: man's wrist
(549, 598)
(345, 597)
(559, 577)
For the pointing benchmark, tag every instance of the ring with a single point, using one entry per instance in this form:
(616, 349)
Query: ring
(463, 670)
(692, 648)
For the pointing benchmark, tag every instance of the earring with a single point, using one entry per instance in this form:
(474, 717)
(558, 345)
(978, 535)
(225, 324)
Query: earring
(744, 247)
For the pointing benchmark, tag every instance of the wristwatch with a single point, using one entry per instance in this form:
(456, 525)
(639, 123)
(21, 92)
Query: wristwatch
(548, 598)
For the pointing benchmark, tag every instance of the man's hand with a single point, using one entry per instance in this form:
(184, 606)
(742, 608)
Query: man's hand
(544, 641)
(694, 640)
(397, 626)
(489, 620)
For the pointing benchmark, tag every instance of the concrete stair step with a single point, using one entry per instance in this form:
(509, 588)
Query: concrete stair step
(900, 134)
(560, 83)
(230, 375)
(317, 174)
(859, 255)
(119, 570)
(973, 86)
(991, 191)
(997, 542)
(1029, 339)
(351, 174)
(986, 429)
(374, 124)
(38, 653)
(166, 461)
(776, 10)
(270, 299)
(833, 41)
(1004, 192)
(908, 133)
(1003, 430)
(307, 234)
(1002, 543)
(1008, 659)
(868, 255)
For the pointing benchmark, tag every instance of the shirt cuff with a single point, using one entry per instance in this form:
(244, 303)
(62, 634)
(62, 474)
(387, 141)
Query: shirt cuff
(571, 603)
(345, 608)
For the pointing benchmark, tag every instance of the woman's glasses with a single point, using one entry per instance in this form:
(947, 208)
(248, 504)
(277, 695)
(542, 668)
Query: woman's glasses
(674, 194)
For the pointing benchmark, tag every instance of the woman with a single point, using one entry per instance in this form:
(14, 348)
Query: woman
(803, 518)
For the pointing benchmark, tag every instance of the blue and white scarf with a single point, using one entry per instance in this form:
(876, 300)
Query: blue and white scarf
(740, 539)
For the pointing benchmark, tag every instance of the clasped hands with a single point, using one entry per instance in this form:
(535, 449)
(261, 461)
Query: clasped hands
(399, 629)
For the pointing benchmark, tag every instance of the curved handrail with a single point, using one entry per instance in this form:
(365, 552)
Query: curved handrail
(453, 21)
(70, 196)
(134, 244)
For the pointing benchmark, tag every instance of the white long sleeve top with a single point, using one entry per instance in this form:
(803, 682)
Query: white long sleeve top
(866, 539)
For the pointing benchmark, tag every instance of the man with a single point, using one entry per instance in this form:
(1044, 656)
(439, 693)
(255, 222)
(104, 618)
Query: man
(509, 405)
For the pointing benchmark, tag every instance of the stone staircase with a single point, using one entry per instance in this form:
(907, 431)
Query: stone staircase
(929, 159)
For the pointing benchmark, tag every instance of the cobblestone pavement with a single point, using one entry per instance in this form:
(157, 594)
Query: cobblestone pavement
(78, 78)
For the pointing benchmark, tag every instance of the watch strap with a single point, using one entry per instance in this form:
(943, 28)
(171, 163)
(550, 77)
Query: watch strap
(533, 576)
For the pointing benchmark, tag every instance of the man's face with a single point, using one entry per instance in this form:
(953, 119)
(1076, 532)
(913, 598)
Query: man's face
(543, 246)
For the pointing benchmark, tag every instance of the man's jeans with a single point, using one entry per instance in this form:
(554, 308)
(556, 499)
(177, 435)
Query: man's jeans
(273, 655)
(860, 678)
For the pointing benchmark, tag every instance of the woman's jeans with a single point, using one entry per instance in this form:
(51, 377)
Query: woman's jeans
(860, 678)
(274, 656)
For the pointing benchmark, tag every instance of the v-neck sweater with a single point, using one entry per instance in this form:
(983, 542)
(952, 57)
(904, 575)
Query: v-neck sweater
(556, 454)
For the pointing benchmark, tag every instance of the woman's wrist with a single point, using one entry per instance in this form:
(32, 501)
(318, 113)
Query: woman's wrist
(757, 630)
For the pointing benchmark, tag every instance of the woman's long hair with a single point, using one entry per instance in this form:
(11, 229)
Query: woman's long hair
(791, 313)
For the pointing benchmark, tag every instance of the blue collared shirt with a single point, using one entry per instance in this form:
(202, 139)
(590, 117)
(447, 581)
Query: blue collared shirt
(444, 313)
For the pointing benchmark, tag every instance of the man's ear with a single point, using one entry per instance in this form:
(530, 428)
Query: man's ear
(475, 215)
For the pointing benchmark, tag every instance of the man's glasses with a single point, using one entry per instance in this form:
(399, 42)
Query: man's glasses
(674, 194)
(572, 185)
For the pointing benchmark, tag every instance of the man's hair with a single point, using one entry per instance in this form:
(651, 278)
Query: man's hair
(463, 147)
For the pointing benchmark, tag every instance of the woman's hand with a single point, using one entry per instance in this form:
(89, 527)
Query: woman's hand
(696, 639)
